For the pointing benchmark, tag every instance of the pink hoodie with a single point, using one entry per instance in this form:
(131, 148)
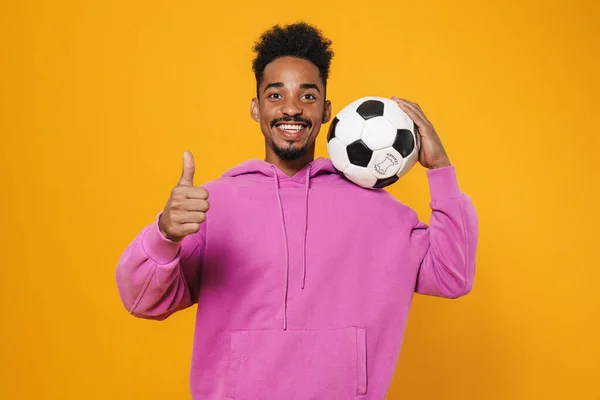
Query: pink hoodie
(303, 283)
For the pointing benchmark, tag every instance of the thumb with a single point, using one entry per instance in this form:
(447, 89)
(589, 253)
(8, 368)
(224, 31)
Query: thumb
(187, 175)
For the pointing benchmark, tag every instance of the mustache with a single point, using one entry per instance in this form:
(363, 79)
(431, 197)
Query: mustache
(295, 118)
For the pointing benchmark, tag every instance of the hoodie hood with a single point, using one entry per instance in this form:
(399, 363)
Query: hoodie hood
(262, 170)
(267, 172)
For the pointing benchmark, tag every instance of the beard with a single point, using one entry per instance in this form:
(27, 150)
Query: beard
(290, 153)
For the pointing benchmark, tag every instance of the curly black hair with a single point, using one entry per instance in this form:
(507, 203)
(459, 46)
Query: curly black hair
(299, 40)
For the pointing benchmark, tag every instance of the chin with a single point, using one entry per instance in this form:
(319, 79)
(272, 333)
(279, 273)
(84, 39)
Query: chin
(290, 151)
(290, 154)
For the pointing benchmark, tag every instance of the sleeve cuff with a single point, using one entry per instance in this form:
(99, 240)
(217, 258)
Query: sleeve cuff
(157, 247)
(443, 183)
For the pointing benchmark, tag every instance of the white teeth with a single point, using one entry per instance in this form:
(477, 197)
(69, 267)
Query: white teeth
(290, 128)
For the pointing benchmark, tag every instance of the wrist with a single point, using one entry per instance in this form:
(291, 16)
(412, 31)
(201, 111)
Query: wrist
(159, 248)
(442, 164)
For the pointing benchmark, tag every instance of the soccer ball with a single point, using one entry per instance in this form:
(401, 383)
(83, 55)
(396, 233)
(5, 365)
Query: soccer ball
(373, 142)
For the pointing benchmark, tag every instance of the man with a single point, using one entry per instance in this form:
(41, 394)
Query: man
(303, 280)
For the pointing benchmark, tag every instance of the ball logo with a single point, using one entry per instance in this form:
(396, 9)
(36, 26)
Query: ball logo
(389, 161)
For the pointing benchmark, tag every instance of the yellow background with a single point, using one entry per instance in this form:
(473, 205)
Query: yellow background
(98, 99)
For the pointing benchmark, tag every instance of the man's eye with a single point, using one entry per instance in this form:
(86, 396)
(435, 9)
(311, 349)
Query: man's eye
(274, 96)
(310, 96)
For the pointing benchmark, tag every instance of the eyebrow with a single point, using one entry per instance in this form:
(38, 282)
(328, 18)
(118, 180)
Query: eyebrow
(273, 85)
(302, 86)
(310, 86)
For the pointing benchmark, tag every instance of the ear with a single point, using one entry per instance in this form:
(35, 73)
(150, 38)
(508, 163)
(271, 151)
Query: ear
(254, 110)
(327, 112)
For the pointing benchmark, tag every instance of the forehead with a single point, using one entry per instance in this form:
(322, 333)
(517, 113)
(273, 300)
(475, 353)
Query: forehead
(291, 71)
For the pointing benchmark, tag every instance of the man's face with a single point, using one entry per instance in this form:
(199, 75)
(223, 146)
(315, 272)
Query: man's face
(291, 107)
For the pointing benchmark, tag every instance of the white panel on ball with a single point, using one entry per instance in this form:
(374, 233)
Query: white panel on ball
(349, 127)
(408, 163)
(360, 175)
(338, 154)
(396, 116)
(385, 163)
(378, 133)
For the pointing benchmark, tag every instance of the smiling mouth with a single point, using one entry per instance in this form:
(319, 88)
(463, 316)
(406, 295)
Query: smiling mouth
(291, 128)
(291, 131)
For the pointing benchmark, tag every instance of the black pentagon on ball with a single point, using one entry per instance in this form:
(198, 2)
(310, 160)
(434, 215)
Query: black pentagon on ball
(404, 143)
(381, 183)
(332, 126)
(359, 154)
(370, 109)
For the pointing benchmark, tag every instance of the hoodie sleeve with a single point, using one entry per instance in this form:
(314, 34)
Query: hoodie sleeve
(156, 276)
(446, 249)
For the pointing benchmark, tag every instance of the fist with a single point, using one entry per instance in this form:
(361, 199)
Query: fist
(187, 206)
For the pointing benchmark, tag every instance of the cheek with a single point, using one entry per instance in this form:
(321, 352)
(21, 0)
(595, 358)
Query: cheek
(318, 119)
(267, 114)
(265, 119)
(316, 115)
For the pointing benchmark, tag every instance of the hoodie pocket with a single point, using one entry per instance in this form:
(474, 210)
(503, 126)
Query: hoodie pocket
(298, 364)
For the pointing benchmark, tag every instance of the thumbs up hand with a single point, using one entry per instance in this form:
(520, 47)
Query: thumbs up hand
(187, 206)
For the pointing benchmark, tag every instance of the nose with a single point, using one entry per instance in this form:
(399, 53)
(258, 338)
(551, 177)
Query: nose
(291, 107)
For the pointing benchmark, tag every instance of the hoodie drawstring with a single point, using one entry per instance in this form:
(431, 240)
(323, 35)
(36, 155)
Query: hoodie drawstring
(287, 255)
(287, 252)
(305, 227)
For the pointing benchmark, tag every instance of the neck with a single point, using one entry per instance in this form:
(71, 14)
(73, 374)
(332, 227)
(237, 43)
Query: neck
(289, 167)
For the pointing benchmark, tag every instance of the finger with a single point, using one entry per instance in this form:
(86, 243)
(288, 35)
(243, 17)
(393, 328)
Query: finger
(191, 217)
(189, 228)
(417, 109)
(415, 105)
(192, 192)
(197, 192)
(412, 112)
(196, 205)
(189, 167)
